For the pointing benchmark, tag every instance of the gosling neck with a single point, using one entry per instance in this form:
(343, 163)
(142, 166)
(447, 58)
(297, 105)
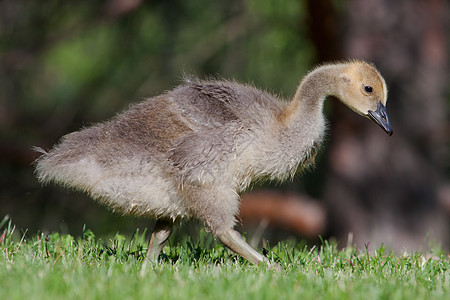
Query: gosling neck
(312, 91)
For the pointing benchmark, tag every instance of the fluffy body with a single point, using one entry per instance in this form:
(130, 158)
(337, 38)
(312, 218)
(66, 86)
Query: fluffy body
(187, 153)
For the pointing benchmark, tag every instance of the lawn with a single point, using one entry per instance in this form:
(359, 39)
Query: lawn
(86, 267)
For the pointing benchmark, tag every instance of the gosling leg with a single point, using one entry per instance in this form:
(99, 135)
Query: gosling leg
(233, 240)
(160, 235)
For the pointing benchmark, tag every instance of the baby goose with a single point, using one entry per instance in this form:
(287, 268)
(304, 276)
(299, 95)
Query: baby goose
(188, 153)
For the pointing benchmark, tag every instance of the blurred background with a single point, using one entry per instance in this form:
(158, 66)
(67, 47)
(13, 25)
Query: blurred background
(68, 64)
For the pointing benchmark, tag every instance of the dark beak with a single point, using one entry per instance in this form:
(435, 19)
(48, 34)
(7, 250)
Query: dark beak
(381, 118)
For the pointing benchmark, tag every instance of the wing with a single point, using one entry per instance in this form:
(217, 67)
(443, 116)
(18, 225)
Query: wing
(202, 155)
(205, 154)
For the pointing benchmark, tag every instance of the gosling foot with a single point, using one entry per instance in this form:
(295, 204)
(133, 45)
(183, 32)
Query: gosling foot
(160, 235)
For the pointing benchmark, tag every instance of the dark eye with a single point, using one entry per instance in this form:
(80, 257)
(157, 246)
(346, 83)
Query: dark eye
(368, 89)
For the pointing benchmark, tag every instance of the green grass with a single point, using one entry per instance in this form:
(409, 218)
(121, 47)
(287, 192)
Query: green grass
(65, 267)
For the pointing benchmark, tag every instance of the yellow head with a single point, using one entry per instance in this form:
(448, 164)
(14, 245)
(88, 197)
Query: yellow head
(364, 90)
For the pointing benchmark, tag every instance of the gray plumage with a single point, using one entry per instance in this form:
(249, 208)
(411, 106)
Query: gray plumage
(191, 151)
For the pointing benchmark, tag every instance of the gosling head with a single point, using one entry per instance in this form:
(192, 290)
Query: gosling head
(364, 90)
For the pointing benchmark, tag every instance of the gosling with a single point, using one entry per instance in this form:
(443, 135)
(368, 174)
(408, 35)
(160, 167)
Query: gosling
(190, 152)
